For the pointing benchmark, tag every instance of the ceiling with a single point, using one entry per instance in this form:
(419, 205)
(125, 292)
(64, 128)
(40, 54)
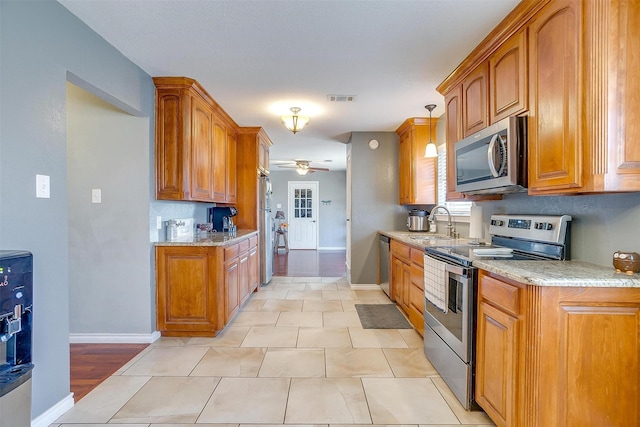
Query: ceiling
(258, 58)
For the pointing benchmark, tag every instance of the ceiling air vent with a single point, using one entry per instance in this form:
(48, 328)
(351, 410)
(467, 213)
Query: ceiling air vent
(341, 98)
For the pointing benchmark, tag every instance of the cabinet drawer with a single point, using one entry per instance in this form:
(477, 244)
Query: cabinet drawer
(253, 241)
(500, 294)
(231, 252)
(400, 250)
(417, 257)
(243, 246)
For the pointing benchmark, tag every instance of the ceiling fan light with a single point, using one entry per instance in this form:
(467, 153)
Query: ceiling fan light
(302, 171)
(295, 123)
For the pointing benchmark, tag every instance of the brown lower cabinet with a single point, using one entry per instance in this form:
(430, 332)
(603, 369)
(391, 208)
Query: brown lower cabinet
(407, 282)
(557, 356)
(200, 288)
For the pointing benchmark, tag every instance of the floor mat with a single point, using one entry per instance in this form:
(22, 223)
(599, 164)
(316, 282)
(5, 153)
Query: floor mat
(381, 316)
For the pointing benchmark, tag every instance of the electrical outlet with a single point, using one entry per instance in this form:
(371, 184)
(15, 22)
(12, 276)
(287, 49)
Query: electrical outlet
(43, 186)
(159, 222)
(96, 195)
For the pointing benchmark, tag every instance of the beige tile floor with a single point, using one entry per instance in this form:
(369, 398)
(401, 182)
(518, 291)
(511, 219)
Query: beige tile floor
(295, 354)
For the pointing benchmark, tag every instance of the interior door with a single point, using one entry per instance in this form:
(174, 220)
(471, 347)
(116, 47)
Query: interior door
(303, 215)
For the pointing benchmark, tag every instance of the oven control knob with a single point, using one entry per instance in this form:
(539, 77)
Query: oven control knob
(497, 222)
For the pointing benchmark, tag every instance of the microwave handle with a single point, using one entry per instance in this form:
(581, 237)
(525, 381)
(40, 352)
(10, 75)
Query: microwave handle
(490, 157)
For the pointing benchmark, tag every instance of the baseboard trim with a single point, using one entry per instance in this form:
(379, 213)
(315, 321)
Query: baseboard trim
(114, 338)
(332, 248)
(364, 287)
(49, 416)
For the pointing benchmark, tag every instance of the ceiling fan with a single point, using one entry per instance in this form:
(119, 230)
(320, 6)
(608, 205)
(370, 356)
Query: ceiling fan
(301, 166)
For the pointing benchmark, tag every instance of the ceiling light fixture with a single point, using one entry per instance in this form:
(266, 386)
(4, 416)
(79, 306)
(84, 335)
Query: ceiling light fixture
(431, 150)
(295, 123)
(302, 168)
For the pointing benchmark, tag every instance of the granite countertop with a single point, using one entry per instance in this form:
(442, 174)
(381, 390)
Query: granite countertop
(210, 239)
(560, 273)
(423, 239)
(538, 273)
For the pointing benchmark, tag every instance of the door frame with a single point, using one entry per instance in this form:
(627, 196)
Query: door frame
(315, 200)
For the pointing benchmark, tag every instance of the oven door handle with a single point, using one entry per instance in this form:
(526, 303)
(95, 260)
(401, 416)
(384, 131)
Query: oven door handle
(450, 268)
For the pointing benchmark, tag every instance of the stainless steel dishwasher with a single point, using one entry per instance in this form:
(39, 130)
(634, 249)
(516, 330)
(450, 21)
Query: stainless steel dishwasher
(383, 263)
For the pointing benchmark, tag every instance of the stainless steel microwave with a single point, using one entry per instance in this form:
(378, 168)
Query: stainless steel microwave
(493, 160)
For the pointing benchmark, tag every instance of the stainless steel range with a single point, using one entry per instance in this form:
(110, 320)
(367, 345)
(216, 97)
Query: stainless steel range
(450, 283)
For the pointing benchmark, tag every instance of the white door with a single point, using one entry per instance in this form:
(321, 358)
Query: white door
(303, 215)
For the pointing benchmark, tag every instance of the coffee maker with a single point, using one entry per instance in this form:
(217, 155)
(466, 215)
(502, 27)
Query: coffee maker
(222, 218)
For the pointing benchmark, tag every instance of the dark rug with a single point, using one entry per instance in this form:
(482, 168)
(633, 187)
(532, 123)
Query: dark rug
(381, 316)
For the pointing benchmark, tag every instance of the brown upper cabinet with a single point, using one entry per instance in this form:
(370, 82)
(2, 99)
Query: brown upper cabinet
(474, 101)
(195, 159)
(585, 108)
(573, 67)
(508, 79)
(253, 143)
(418, 184)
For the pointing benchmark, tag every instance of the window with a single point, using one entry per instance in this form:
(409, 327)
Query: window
(457, 208)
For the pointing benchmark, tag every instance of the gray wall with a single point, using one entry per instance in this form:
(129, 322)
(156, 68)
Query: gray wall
(332, 218)
(42, 46)
(108, 242)
(374, 200)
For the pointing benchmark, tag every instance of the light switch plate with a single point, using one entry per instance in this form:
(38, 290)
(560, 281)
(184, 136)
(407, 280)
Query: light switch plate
(159, 222)
(278, 205)
(96, 195)
(43, 187)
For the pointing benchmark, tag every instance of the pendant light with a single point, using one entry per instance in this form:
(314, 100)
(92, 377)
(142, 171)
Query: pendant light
(431, 150)
(295, 123)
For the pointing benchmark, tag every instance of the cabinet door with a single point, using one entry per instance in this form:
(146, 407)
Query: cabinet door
(201, 150)
(219, 170)
(170, 149)
(475, 104)
(263, 157)
(231, 282)
(508, 79)
(243, 277)
(555, 153)
(231, 178)
(254, 269)
(620, 128)
(416, 298)
(589, 350)
(183, 290)
(401, 276)
(496, 364)
(453, 109)
(405, 168)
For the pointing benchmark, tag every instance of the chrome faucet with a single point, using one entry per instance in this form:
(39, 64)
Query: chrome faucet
(450, 230)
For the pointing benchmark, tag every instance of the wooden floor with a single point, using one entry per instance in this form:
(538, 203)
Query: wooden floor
(93, 363)
(309, 263)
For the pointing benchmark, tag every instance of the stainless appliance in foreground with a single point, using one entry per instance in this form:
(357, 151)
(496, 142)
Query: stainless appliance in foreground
(16, 308)
(267, 231)
(383, 262)
(450, 286)
(493, 160)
